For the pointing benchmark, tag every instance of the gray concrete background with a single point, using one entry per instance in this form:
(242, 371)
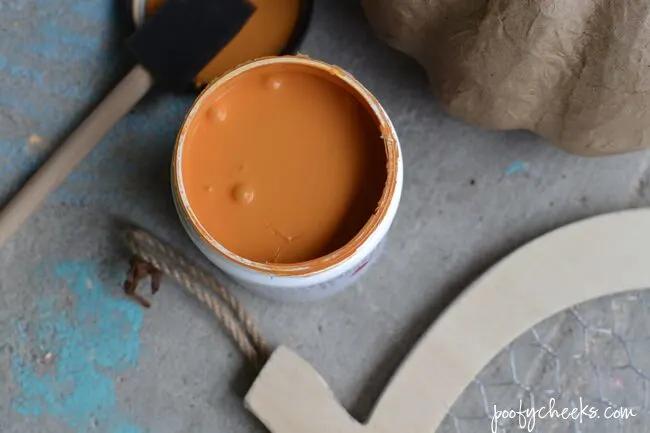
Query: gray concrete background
(75, 356)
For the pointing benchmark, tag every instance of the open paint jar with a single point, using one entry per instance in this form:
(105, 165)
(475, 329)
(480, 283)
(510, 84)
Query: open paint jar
(287, 174)
(276, 27)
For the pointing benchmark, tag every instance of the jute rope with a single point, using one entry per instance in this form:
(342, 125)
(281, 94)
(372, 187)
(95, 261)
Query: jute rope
(152, 258)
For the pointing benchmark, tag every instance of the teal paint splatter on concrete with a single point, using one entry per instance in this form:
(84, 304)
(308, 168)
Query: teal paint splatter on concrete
(515, 168)
(90, 334)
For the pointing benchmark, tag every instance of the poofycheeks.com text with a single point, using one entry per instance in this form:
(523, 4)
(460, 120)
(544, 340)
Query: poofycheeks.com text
(526, 418)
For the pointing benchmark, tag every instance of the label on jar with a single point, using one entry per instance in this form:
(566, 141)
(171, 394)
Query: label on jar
(320, 290)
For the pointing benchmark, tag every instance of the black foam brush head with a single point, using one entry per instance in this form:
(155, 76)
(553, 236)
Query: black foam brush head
(184, 35)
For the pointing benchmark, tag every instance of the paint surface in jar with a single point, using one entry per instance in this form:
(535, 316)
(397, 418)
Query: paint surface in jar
(283, 163)
(266, 33)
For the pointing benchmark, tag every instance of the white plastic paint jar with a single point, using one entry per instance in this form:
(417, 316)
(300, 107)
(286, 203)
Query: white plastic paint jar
(323, 276)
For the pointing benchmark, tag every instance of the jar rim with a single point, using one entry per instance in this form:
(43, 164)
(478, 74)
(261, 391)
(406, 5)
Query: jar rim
(334, 258)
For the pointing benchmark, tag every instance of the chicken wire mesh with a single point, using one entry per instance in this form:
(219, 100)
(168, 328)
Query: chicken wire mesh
(592, 360)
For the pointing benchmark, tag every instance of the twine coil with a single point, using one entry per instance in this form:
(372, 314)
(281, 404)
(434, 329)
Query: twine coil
(153, 258)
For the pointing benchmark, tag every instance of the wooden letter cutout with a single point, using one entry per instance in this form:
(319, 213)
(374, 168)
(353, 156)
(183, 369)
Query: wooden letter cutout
(582, 261)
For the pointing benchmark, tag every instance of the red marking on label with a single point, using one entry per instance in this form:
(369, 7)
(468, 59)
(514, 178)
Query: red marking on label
(360, 268)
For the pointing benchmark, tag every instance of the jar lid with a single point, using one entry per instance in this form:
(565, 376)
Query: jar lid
(284, 23)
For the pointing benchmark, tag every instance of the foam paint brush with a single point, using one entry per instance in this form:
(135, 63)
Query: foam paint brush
(171, 48)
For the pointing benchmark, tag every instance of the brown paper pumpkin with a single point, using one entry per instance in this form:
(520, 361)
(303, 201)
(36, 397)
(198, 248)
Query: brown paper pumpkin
(575, 72)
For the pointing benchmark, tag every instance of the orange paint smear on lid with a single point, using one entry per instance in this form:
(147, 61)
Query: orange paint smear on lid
(283, 163)
(266, 34)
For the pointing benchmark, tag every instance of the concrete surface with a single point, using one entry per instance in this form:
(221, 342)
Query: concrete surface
(75, 356)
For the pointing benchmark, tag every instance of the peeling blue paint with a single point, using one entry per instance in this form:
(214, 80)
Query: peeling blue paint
(89, 42)
(11, 98)
(516, 167)
(51, 50)
(92, 10)
(91, 335)
(35, 76)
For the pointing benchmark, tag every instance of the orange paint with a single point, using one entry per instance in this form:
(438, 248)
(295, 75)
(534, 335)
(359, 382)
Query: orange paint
(266, 33)
(152, 6)
(283, 163)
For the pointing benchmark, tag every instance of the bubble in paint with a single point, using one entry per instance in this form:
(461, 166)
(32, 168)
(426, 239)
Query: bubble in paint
(274, 82)
(217, 114)
(243, 194)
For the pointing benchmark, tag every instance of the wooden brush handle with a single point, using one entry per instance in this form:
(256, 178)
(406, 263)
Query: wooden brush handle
(52, 174)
